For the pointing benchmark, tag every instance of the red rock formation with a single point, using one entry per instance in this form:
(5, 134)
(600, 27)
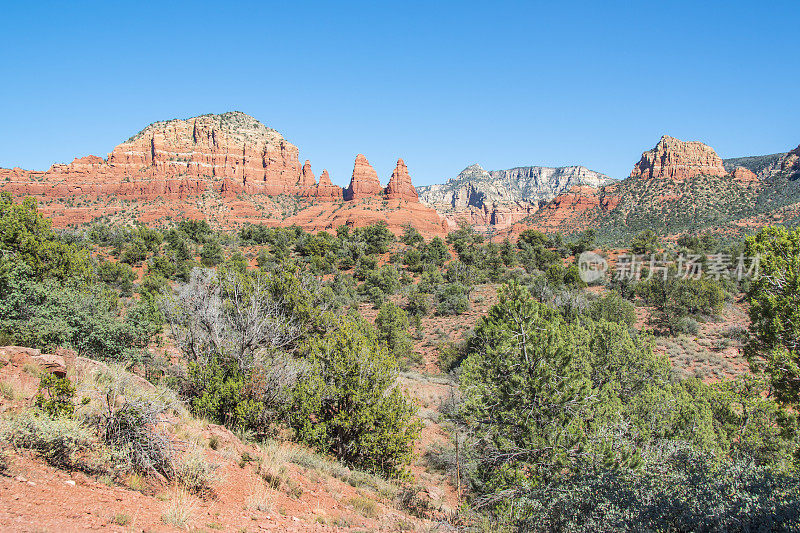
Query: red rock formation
(307, 183)
(231, 145)
(307, 178)
(575, 210)
(231, 154)
(678, 160)
(400, 185)
(222, 168)
(364, 182)
(791, 161)
(743, 175)
(326, 190)
(497, 217)
(396, 213)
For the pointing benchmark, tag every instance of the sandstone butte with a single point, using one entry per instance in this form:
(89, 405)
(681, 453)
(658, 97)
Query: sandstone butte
(678, 160)
(671, 160)
(228, 168)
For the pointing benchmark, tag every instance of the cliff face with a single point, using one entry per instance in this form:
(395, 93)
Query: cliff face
(228, 168)
(230, 153)
(231, 145)
(499, 198)
(678, 160)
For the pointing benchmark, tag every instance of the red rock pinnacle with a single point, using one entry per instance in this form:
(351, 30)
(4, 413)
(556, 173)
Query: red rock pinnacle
(307, 178)
(364, 182)
(326, 189)
(400, 185)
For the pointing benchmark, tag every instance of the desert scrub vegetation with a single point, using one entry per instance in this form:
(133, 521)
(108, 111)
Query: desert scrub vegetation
(561, 407)
(117, 429)
(180, 509)
(62, 442)
(278, 455)
(550, 403)
(263, 350)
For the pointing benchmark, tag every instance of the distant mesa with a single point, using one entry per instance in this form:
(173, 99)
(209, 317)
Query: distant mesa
(679, 160)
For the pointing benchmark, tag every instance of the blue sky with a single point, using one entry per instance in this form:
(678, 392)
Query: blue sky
(441, 84)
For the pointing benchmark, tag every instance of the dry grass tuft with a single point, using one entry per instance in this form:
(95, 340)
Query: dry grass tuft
(259, 498)
(180, 509)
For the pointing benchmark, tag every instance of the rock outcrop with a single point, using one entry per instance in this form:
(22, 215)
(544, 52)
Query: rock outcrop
(400, 186)
(766, 166)
(229, 169)
(743, 175)
(762, 166)
(499, 198)
(576, 209)
(364, 182)
(307, 178)
(21, 356)
(326, 190)
(791, 162)
(231, 145)
(678, 160)
(231, 153)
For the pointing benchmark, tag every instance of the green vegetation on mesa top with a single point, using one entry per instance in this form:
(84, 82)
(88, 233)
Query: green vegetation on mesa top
(569, 420)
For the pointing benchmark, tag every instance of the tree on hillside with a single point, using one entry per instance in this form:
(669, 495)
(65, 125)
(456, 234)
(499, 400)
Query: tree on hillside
(348, 405)
(645, 242)
(27, 237)
(557, 410)
(392, 325)
(775, 309)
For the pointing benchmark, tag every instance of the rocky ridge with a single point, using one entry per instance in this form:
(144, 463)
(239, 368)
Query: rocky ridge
(364, 182)
(228, 168)
(499, 198)
(790, 163)
(678, 185)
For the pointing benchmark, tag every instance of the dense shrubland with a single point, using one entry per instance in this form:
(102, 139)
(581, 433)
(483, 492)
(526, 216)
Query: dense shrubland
(557, 408)
(568, 419)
